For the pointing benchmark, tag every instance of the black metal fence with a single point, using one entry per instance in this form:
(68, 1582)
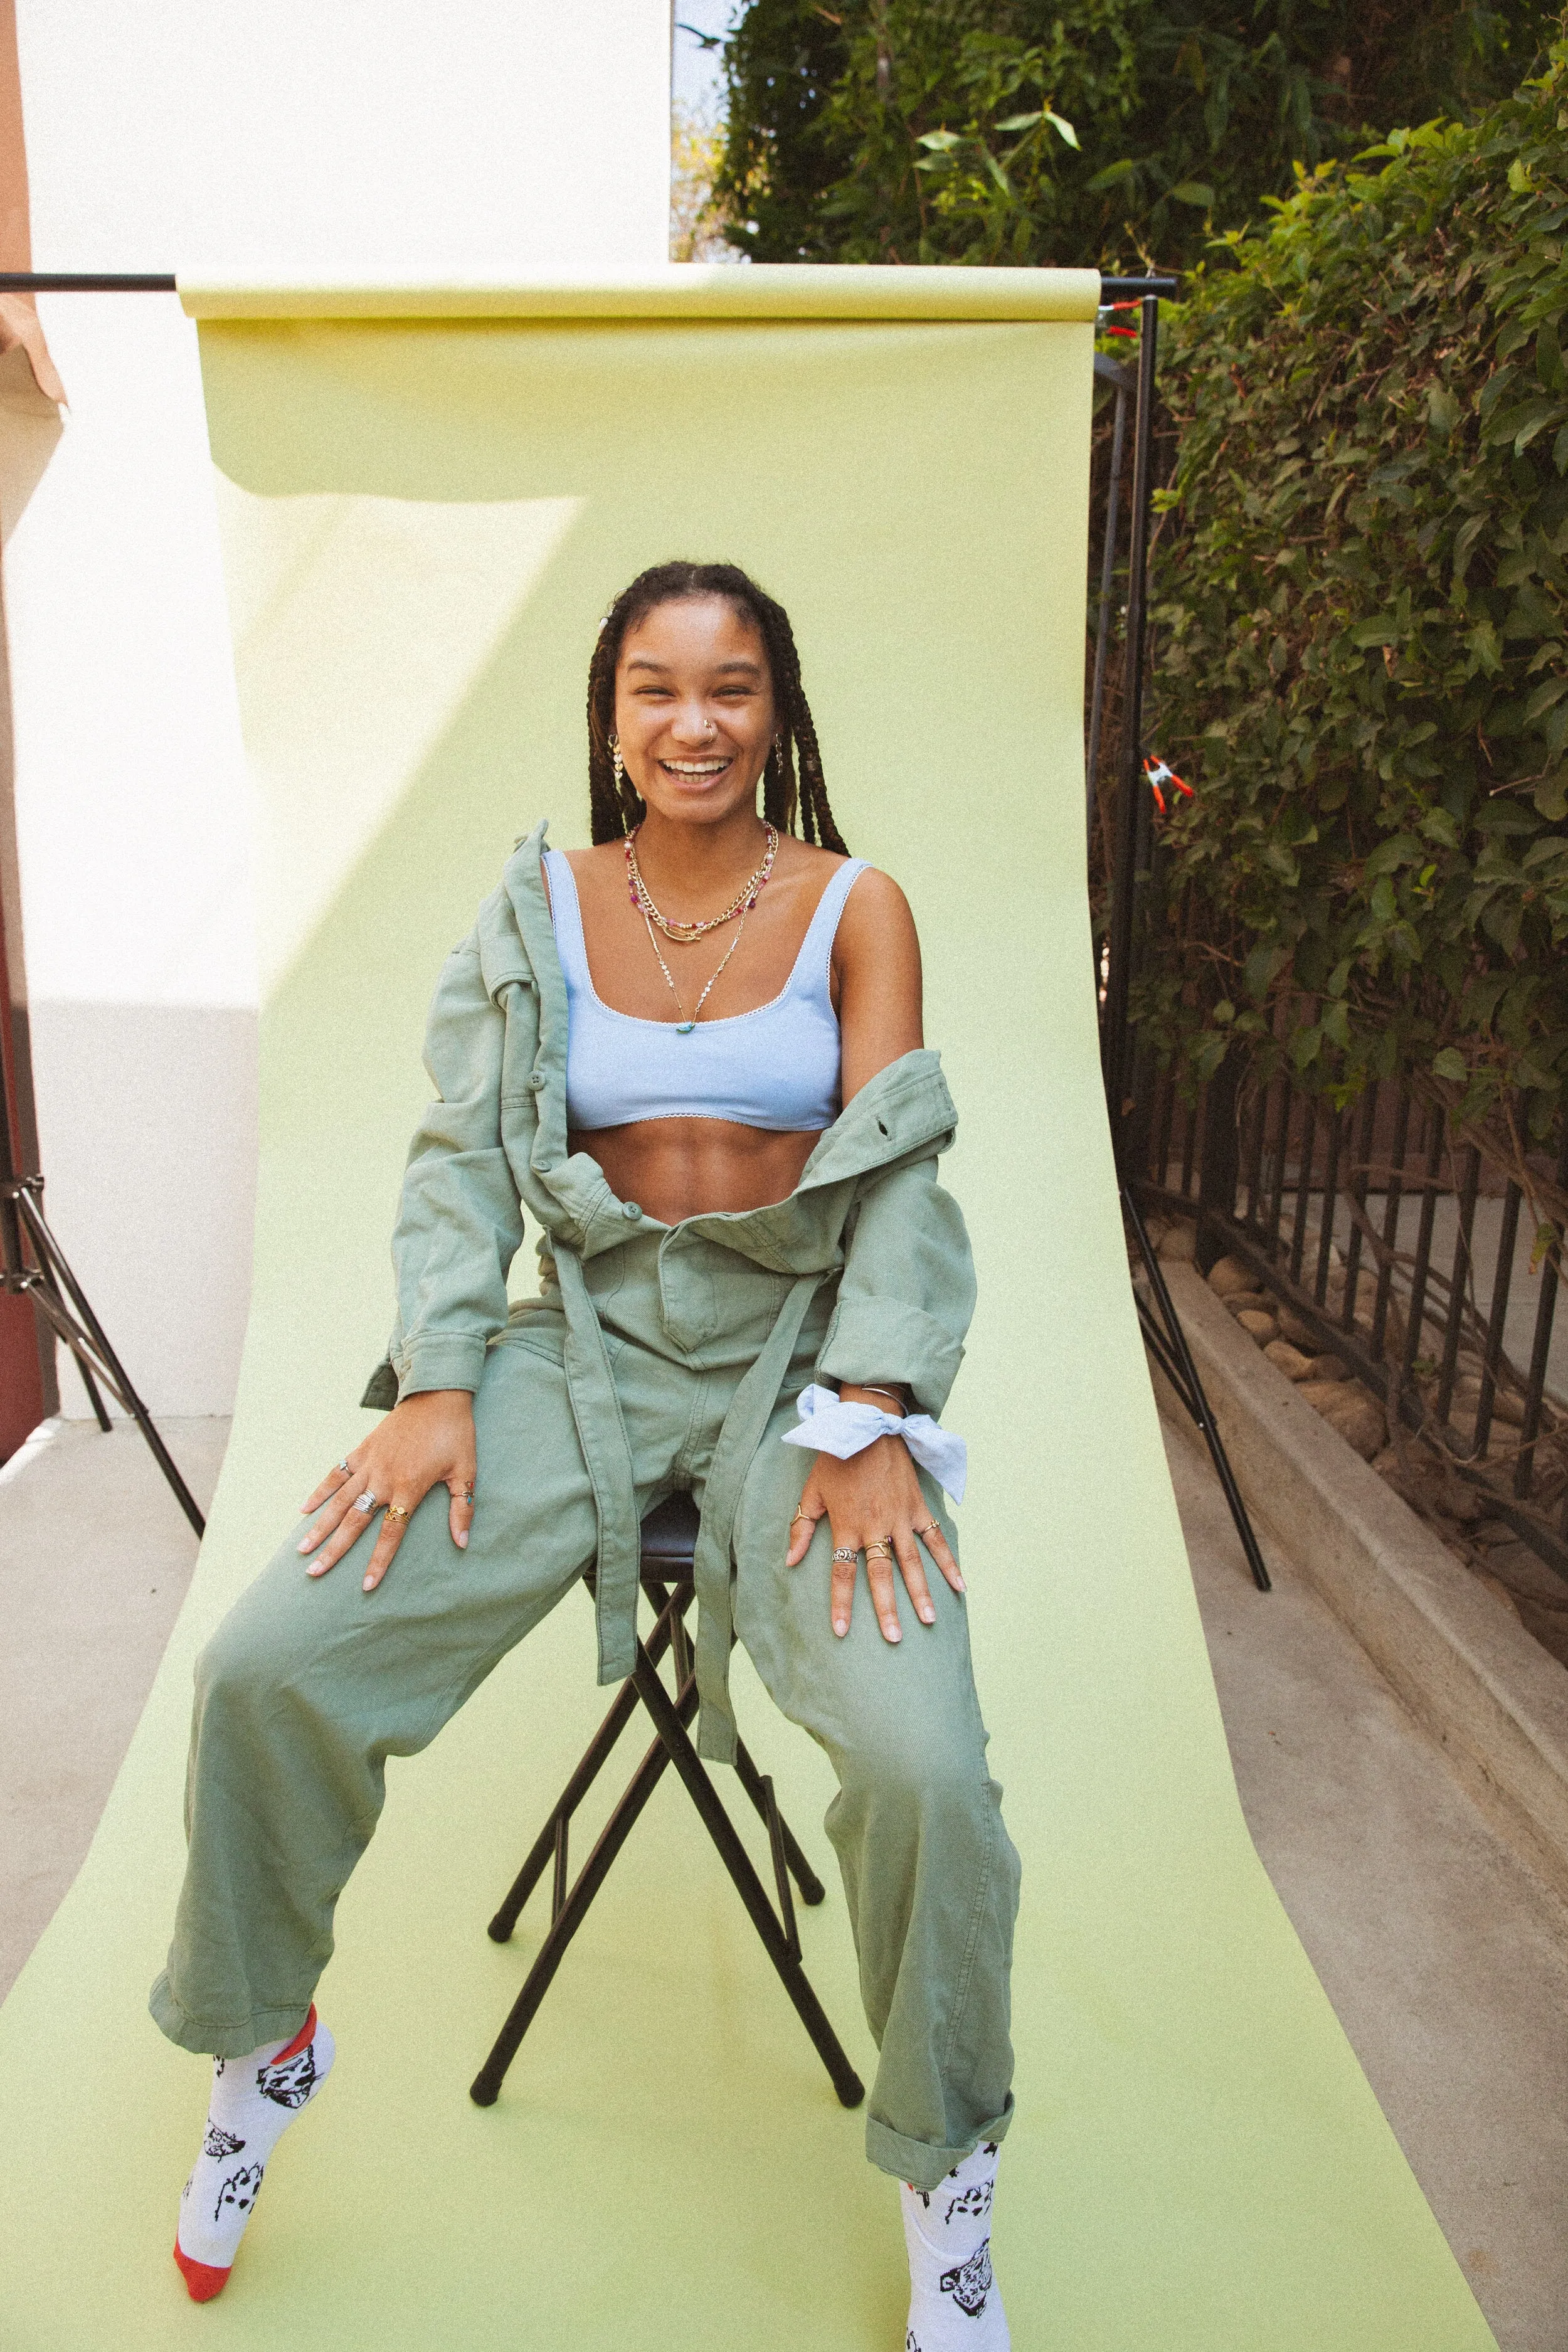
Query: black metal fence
(1397, 1249)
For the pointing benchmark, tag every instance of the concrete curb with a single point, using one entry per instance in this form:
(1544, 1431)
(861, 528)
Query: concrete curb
(1492, 1698)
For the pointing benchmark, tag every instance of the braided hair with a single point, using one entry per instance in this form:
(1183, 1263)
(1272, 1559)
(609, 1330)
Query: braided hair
(785, 797)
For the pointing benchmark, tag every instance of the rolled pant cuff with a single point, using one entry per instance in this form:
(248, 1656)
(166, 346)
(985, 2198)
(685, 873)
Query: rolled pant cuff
(916, 2161)
(204, 2037)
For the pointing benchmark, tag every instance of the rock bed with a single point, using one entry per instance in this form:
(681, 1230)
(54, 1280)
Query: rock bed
(1460, 1514)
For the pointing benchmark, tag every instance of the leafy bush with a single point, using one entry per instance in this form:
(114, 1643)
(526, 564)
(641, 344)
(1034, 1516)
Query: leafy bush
(1362, 588)
(918, 130)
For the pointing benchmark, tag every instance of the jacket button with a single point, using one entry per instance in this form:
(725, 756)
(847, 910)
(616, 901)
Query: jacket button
(630, 1211)
(536, 1080)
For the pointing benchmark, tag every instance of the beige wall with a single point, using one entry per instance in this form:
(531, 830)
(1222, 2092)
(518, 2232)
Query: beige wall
(370, 135)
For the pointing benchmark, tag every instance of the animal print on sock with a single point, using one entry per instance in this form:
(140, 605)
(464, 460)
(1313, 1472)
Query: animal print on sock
(955, 2305)
(969, 2283)
(290, 2084)
(240, 2190)
(219, 2144)
(975, 2200)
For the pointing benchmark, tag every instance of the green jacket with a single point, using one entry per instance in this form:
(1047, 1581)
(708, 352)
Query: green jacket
(868, 1214)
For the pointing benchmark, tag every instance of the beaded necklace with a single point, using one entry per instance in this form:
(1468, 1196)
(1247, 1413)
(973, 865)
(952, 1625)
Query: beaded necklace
(687, 933)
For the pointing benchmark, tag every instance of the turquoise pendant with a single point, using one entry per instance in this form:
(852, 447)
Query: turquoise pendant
(684, 1028)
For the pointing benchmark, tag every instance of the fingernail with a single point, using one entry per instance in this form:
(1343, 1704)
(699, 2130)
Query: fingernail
(462, 1539)
(893, 1632)
(841, 1625)
(316, 1571)
(961, 1586)
(370, 1584)
(928, 1615)
(304, 1543)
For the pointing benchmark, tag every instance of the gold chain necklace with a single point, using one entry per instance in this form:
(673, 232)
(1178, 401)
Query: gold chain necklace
(686, 934)
(687, 1021)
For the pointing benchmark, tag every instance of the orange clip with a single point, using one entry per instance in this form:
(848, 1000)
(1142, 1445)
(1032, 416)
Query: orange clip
(1159, 774)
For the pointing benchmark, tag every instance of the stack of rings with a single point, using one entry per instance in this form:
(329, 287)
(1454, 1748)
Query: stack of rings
(365, 1502)
(395, 1511)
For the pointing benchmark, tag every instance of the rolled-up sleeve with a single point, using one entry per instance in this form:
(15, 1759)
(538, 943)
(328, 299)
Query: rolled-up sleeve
(907, 1293)
(459, 1221)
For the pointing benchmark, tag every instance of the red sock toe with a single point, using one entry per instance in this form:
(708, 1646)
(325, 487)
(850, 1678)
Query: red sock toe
(202, 2280)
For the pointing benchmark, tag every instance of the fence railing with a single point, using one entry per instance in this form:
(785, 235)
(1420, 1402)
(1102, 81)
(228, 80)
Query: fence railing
(1400, 1250)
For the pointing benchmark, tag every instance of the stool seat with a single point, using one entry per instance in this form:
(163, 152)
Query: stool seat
(669, 1535)
(669, 1531)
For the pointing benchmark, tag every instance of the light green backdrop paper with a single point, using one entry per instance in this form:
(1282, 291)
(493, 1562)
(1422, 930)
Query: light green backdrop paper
(424, 521)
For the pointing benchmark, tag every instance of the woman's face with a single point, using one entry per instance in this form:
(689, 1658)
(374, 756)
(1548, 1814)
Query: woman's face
(694, 708)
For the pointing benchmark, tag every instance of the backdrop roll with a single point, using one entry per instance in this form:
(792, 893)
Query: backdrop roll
(425, 517)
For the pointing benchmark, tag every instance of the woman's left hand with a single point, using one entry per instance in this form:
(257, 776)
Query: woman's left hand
(873, 1498)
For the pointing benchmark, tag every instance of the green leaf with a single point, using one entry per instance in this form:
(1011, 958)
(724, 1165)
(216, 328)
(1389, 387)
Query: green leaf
(942, 139)
(1385, 631)
(1403, 849)
(1442, 410)
(1063, 129)
(1450, 1064)
(1020, 121)
(1550, 797)
(1190, 192)
(1550, 690)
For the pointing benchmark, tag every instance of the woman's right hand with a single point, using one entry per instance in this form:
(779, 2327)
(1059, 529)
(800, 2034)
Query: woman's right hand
(426, 1441)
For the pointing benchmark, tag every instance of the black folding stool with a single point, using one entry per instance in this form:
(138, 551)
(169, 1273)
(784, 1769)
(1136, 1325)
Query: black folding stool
(668, 1538)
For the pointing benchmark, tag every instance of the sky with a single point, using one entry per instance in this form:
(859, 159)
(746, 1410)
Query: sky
(697, 76)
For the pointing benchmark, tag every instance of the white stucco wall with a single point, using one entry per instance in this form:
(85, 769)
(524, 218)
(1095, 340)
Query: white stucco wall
(178, 134)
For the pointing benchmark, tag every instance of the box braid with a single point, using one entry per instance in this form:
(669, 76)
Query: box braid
(786, 797)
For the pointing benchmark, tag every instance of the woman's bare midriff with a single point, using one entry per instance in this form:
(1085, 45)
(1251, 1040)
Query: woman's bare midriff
(675, 1167)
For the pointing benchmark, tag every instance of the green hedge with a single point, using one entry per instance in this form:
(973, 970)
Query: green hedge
(1361, 595)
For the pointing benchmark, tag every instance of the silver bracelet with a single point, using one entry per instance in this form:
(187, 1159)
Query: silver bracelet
(878, 1390)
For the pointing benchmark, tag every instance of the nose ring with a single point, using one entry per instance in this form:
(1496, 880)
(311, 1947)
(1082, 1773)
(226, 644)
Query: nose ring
(711, 729)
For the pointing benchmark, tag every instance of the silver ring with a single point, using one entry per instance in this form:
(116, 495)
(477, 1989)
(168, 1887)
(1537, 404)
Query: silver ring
(365, 1502)
(346, 1471)
(848, 1552)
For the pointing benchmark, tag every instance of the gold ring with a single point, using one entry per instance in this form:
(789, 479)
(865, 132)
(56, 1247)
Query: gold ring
(395, 1511)
(881, 1549)
(806, 1517)
(931, 1528)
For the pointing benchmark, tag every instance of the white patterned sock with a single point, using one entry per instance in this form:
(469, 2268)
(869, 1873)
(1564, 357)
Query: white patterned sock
(254, 2101)
(955, 2305)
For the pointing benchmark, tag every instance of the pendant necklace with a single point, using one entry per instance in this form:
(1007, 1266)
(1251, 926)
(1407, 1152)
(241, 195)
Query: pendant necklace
(687, 933)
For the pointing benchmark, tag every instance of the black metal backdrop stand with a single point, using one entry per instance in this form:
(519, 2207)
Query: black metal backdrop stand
(1161, 1324)
(32, 1263)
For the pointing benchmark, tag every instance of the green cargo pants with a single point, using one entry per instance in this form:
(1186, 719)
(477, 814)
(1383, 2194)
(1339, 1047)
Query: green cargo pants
(307, 1688)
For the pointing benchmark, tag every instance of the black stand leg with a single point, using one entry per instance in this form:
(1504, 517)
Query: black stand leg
(58, 1296)
(1168, 1344)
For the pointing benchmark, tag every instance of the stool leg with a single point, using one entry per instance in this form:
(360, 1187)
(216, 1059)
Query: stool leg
(748, 1885)
(595, 1758)
(485, 2088)
(812, 1889)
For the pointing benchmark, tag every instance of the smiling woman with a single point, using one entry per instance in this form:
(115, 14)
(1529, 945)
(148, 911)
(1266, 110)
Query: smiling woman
(694, 1052)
